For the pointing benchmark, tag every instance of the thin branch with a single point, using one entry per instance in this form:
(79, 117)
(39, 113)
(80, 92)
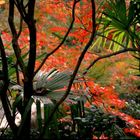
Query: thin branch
(32, 34)
(64, 39)
(15, 36)
(4, 63)
(20, 8)
(20, 27)
(16, 65)
(31, 7)
(82, 54)
(78, 64)
(17, 73)
(3, 89)
(99, 34)
(109, 55)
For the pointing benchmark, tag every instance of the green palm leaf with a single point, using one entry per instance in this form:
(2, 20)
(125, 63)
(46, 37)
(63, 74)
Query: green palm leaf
(28, 107)
(119, 22)
(52, 84)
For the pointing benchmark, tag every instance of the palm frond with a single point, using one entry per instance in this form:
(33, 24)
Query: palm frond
(51, 84)
(117, 26)
(52, 80)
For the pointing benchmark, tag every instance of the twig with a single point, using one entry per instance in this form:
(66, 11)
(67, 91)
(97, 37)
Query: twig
(77, 66)
(61, 43)
(4, 88)
(15, 36)
(109, 55)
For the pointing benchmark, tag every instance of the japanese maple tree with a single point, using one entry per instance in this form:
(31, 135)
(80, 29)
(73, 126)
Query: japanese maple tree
(63, 35)
(25, 29)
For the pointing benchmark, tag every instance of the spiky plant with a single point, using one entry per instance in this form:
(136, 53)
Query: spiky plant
(51, 84)
(117, 27)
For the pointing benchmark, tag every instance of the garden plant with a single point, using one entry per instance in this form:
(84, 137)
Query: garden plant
(70, 69)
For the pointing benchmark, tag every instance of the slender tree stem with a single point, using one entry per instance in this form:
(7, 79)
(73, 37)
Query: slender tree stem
(77, 66)
(109, 55)
(3, 89)
(63, 40)
(15, 37)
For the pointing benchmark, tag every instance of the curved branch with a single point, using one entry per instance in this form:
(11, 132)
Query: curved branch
(21, 8)
(101, 35)
(114, 41)
(4, 87)
(15, 36)
(78, 64)
(109, 55)
(61, 43)
(32, 34)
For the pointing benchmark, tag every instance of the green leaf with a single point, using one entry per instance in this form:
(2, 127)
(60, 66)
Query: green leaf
(119, 38)
(57, 95)
(16, 102)
(118, 24)
(105, 39)
(121, 10)
(27, 109)
(97, 43)
(131, 13)
(51, 81)
(74, 111)
(47, 110)
(39, 118)
(41, 56)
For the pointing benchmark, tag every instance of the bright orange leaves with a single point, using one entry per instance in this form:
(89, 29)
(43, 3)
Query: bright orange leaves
(60, 14)
(105, 97)
(53, 21)
(133, 123)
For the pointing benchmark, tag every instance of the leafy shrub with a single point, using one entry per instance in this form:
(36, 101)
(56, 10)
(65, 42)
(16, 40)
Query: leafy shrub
(132, 104)
(91, 122)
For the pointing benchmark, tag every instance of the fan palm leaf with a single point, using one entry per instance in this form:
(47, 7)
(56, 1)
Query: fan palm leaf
(52, 84)
(117, 26)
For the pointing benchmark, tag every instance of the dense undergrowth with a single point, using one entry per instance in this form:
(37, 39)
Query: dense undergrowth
(103, 99)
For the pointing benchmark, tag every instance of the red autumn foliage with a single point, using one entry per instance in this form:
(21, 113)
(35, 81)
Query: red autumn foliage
(57, 15)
